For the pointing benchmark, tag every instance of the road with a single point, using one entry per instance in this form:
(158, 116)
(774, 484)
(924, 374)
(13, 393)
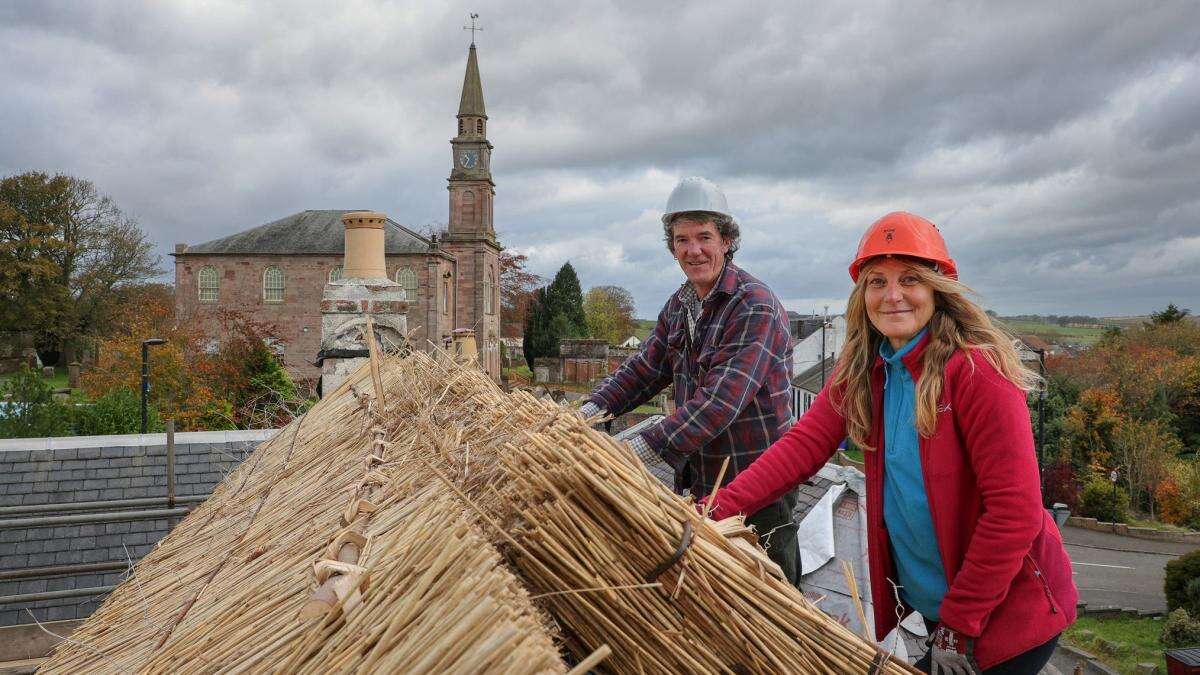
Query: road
(1112, 570)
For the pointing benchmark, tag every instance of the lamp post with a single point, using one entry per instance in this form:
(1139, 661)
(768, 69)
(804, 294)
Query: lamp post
(1113, 477)
(824, 324)
(146, 344)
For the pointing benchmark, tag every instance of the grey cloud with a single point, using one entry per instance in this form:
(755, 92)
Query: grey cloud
(1057, 146)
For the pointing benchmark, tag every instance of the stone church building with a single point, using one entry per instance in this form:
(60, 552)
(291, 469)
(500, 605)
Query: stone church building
(277, 272)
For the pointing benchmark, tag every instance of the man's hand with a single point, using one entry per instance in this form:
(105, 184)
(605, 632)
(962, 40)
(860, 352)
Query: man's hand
(952, 653)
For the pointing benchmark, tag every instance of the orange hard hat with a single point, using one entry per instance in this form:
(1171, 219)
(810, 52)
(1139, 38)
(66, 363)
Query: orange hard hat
(904, 234)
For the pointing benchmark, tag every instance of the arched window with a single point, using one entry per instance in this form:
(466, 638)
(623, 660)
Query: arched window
(468, 207)
(489, 285)
(445, 297)
(479, 126)
(335, 273)
(460, 127)
(273, 285)
(210, 284)
(406, 277)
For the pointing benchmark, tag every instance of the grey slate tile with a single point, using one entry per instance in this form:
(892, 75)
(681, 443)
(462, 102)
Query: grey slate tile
(40, 559)
(68, 557)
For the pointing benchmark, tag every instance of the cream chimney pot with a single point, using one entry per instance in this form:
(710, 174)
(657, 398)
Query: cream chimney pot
(364, 245)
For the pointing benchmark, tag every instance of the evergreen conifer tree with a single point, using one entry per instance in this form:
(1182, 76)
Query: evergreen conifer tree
(566, 298)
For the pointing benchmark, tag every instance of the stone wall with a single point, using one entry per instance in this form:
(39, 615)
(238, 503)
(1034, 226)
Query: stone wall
(61, 471)
(298, 317)
(16, 351)
(583, 348)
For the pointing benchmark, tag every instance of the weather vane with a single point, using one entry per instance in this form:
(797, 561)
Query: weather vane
(472, 27)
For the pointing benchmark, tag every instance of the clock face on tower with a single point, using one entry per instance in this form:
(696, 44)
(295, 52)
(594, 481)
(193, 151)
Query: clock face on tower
(467, 159)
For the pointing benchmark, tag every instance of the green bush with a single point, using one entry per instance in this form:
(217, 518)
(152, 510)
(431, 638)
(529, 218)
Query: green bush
(1096, 501)
(1192, 592)
(117, 412)
(32, 411)
(1180, 573)
(1180, 630)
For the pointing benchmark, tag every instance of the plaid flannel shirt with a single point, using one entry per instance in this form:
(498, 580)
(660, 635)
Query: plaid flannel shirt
(731, 375)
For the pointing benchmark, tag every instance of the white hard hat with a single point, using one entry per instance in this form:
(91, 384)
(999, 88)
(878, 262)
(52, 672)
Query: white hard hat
(696, 194)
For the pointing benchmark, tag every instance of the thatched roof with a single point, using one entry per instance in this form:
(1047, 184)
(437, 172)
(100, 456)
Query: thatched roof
(421, 520)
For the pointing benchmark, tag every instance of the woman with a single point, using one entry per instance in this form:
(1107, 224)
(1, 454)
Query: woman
(935, 395)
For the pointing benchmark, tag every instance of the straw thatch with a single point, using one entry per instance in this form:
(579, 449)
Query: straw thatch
(368, 535)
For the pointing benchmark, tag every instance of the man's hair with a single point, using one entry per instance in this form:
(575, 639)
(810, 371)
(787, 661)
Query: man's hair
(726, 226)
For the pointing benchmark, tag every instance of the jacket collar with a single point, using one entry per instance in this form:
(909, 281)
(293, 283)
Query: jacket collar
(913, 358)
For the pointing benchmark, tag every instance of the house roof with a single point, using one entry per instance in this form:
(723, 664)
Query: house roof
(308, 232)
(1035, 343)
(810, 380)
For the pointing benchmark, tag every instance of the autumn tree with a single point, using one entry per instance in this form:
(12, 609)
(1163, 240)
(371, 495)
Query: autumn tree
(31, 206)
(609, 311)
(1087, 430)
(516, 289)
(73, 249)
(1138, 409)
(179, 388)
(235, 382)
(1143, 451)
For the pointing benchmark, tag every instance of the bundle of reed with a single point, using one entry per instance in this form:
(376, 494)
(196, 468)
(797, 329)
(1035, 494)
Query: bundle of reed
(225, 590)
(440, 600)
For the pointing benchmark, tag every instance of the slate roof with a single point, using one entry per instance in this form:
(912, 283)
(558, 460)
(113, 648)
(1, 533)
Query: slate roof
(810, 380)
(308, 232)
(92, 469)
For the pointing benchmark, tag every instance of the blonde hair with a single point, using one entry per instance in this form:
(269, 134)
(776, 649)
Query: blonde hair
(957, 324)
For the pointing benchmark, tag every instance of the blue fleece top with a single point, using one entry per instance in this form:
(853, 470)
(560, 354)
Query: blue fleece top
(905, 504)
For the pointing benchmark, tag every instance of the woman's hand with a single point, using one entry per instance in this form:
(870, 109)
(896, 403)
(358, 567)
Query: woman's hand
(952, 653)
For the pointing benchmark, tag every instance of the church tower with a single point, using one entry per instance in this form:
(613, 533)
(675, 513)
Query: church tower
(470, 236)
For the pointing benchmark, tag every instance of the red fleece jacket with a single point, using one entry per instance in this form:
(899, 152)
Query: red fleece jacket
(1008, 575)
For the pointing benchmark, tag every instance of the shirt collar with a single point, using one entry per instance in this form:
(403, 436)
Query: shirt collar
(727, 283)
(892, 355)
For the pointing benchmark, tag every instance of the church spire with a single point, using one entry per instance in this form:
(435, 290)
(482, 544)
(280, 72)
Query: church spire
(471, 103)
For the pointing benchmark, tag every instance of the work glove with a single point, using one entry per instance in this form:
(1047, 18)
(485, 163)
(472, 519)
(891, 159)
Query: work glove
(641, 448)
(589, 410)
(952, 653)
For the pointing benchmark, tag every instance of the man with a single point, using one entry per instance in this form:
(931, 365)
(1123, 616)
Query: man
(722, 340)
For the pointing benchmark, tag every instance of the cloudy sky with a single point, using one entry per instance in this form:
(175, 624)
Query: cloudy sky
(1057, 145)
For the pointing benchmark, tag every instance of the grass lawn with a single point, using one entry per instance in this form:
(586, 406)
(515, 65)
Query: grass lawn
(1055, 333)
(1155, 525)
(522, 371)
(855, 454)
(1139, 635)
(643, 327)
(59, 381)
